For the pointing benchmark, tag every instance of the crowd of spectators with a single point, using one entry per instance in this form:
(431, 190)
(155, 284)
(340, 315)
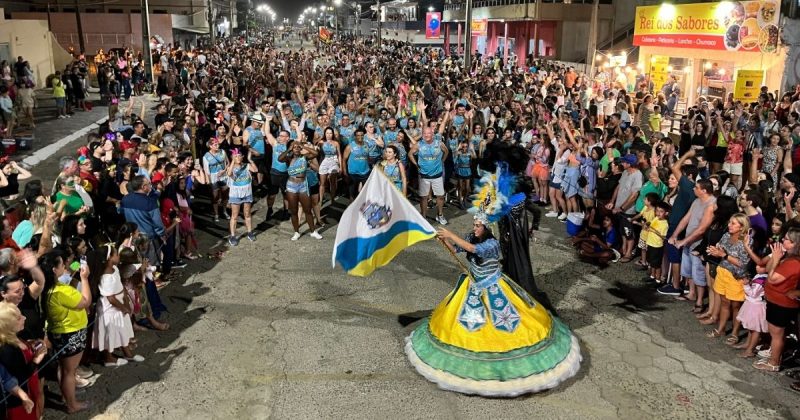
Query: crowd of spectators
(710, 213)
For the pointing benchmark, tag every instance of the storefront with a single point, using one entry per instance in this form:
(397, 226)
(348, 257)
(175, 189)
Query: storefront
(708, 46)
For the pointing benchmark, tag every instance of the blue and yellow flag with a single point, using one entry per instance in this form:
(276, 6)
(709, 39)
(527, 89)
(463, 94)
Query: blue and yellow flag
(376, 227)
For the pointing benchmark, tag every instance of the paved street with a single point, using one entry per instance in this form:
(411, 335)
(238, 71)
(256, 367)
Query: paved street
(270, 330)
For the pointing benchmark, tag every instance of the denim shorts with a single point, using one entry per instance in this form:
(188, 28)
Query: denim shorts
(297, 187)
(692, 267)
(241, 200)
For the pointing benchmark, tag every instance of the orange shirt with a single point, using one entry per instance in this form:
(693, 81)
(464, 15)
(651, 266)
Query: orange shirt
(776, 293)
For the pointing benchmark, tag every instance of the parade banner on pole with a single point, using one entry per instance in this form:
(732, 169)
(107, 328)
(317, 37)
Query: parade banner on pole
(748, 85)
(433, 25)
(478, 27)
(728, 25)
(325, 34)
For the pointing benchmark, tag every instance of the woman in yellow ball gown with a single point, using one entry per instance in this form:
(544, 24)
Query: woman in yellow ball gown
(488, 336)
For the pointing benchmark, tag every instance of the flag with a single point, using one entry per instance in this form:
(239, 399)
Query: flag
(325, 34)
(433, 23)
(376, 227)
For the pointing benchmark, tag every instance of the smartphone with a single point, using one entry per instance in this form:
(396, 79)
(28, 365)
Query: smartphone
(83, 261)
(38, 346)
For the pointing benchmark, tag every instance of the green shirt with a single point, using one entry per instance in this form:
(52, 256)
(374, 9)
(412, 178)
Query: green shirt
(647, 188)
(74, 202)
(604, 160)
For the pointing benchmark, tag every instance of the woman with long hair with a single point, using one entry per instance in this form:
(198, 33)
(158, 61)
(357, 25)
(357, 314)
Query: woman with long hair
(393, 169)
(20, 358)
(724, 209)
(732, 268)
(64, 307)
(331, 164)
(781, 294)
(299, 157)
(240, 182)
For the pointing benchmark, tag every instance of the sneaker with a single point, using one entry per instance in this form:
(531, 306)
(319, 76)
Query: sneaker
(316, 235)
(440, 218)
(296, 236)
(179, 264)
(669, 290)
(136, 358)
(84, 372)
(251, 236)
(617, 255)
(226, 215)
(562, 217)
(269, 212)
(551, 214)
(216, 218)
(233, 241)
(61, 117)
(81, 383)
(120, 362)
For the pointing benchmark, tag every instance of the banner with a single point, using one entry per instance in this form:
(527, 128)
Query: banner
(748, 85)
(433, 24)
(728, 25)
(659, 70)
(325, 34)
(478, 27)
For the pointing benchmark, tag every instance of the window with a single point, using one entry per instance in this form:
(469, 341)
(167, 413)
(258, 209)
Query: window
(159, 12)
(115, 11)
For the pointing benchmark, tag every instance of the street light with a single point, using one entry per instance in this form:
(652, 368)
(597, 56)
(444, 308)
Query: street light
(430, 8)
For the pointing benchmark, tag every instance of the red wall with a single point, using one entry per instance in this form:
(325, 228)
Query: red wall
(522, 32)
(99, 28)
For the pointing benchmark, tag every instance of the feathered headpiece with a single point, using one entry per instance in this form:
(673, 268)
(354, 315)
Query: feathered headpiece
(495, 196)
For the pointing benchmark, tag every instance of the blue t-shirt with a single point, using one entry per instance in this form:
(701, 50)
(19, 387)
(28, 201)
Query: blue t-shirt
(429, 158)
(278, 166)
(256, 140)
(358, 162)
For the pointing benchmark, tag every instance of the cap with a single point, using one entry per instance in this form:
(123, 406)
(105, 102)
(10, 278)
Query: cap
(630, 159)
(257, 118)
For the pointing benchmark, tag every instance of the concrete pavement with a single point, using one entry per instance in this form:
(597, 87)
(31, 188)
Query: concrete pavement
(271, 331)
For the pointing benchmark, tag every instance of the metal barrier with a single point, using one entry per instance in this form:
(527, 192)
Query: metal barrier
(94, 41)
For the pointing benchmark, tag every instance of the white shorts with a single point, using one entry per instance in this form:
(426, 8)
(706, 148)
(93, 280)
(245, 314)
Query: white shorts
(329, 165)
(732, 168)
(425, 185)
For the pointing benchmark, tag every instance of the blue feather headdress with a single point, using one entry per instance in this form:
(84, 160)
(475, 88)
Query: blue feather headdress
(495, 195)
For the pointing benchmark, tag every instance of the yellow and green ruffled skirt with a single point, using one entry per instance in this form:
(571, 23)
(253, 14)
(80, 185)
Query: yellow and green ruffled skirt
(495, 341)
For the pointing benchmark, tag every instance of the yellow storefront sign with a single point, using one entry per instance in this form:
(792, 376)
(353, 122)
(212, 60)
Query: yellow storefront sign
(478, 27)
(726, 25)
(659, 70)
(748, 85)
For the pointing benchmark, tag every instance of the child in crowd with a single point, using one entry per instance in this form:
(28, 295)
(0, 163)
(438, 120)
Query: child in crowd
(643, 219)
(753, 313)
(600, 251)
(112, 329)
(656, 235)
(655, 119)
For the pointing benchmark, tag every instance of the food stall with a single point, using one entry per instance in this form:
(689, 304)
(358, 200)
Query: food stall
(711, 44)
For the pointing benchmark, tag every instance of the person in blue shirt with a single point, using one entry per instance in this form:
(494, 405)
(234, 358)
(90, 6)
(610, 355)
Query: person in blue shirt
(598, 250)
(429, 156)
(253, 137)
(356, 163)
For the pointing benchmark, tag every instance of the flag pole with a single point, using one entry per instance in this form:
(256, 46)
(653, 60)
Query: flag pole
(455, 257)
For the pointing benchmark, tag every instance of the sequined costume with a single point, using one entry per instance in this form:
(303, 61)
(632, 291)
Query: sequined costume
(489, 337)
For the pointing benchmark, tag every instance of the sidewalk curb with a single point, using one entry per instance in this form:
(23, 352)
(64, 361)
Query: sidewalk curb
(48, 151)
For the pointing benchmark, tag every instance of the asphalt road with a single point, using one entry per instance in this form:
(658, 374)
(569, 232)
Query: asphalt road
(270, 330)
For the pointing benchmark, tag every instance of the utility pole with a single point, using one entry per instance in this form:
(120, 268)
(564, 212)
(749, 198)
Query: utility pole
(80, 28)
(378, 14)
(211, 29)
(147, 56)
(468, 37)
(591, 49)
